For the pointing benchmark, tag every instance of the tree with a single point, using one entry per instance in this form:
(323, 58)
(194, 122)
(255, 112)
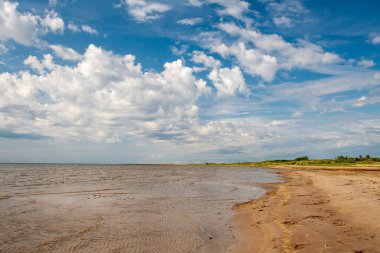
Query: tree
(302, 158)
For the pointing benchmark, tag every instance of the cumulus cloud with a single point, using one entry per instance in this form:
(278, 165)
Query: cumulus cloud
(228, 82)
(41, 66)
(190, 21)
(269, 53)
(26, 28)
(65, 53)
(143, 11)
(206, 60)
(253, 61)
(53, 23)
(105, 97)
(20, 27)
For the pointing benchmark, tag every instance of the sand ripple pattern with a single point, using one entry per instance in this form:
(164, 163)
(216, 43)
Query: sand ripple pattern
(83, 208)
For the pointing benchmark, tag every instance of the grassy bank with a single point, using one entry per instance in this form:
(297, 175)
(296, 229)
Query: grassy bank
(305, 161)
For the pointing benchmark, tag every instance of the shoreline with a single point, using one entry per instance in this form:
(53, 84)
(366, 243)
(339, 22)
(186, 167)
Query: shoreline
(315, 209)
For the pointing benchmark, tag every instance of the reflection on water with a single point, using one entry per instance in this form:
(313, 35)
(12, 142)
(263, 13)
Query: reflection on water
(122, 208)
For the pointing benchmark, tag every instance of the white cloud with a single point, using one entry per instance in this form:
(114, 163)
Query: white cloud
(366, 63)
(270, 52)
(20, 27)
(65, 53)
(42, 66)
(253, 61)
(81, 28)
(190, 21)
(179, 51)
(228, 82)
(73, 27)
(106, 97)
(283, 21)
(52, 22)
(234, 8)
(286, 13)
(360, 102)
(206, 60)
(89, 29)
(109, 98)
(374, 38)
(26, 28)
(143, 11)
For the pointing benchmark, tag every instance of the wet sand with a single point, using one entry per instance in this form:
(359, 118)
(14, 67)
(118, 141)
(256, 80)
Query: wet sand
(315, 210)
(83, 208)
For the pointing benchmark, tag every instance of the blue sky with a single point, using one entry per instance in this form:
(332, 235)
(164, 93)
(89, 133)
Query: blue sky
(150, 81)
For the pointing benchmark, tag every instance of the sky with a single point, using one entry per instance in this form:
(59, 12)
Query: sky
(186, 81)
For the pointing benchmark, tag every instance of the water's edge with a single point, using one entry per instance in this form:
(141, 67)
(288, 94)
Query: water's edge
(126, 207)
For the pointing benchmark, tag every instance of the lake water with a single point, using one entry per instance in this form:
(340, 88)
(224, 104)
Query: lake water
(123, 208)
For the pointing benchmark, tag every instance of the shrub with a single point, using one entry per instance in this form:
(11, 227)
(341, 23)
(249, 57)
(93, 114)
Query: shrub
(302, 158)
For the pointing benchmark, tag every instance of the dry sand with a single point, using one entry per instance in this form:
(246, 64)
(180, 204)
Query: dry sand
(315, 210)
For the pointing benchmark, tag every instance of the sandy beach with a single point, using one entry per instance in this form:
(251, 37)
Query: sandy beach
(316, 209)
(204, 209)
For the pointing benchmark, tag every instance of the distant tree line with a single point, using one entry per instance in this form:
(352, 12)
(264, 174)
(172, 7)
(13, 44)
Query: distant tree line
(360, 158)
(304, 160)
(338, 159)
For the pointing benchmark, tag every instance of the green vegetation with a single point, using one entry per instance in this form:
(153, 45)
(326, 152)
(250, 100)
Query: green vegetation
(304, 161)
(302, 158)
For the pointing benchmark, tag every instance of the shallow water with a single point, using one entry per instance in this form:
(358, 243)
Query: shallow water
(122, 208)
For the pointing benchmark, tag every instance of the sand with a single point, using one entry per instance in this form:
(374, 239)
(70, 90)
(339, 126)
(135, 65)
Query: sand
(314, 210)
(84, 208)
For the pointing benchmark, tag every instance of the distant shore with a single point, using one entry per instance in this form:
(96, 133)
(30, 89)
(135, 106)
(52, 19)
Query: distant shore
(304, 162)
(316, 209)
